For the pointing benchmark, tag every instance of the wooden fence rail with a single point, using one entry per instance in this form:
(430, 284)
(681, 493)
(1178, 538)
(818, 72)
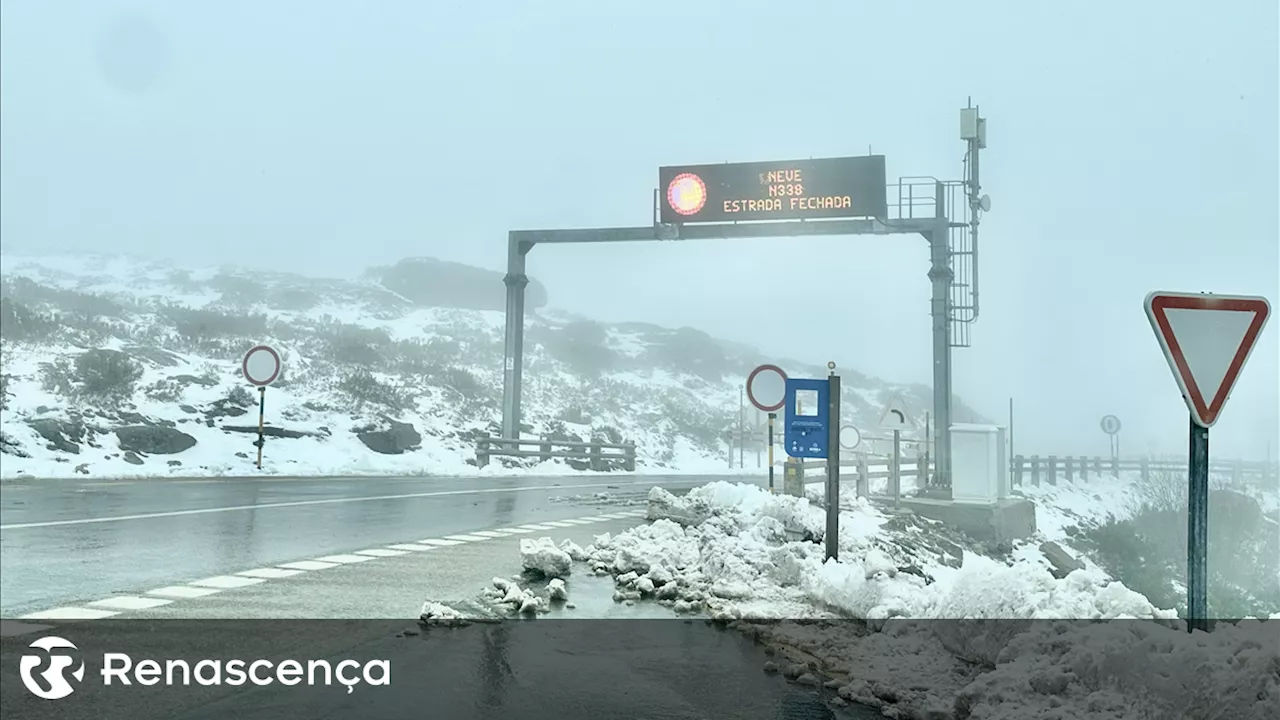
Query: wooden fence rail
(593, 453)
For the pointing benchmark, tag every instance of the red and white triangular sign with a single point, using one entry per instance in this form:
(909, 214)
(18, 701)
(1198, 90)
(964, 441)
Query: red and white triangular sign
(1206, 339)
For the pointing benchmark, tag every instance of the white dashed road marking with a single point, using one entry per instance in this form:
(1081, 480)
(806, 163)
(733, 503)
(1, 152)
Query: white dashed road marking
(70, 613)
(382, 552)
(130, 602)
(112, 606)
(344, 558)
(308, 565)
(224, 582)
(270, 573)
(183, 592)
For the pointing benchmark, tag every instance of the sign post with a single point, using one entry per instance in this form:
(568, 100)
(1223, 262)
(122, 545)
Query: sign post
(767, 390)
(895, 418)
(1206, 340)
(261, 367)
(808, 432)
(832, 534)
(1111, 426)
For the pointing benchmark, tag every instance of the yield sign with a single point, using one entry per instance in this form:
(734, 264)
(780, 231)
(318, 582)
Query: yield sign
(1206, 339)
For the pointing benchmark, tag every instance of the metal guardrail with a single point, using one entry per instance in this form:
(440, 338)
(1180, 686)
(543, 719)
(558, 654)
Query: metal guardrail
(1047, 470)
(1036, 470)
(594, 453)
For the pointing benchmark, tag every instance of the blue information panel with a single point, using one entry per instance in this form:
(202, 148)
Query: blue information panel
(805, 423)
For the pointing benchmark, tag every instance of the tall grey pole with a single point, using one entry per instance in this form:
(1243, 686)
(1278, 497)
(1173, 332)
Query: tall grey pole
(772, 416)
(1010, 435)
(513, 339)
(940, 276)
(897, 467)
(1198, 529)
(833, 468)
(742, 430)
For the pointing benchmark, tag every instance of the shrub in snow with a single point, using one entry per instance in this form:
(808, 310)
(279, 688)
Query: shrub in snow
(1148, 549)
(365, 388)
(107, 373)
(543, 557)
(240, 396)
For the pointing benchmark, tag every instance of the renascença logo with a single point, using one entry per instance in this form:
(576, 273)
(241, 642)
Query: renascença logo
(54, 676)
(120, 668)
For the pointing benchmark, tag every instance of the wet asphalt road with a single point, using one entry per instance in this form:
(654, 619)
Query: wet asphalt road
(530, 669)
(66, 540)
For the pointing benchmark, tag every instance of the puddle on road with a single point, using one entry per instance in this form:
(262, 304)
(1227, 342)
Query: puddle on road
(602, 656)
(592, 598)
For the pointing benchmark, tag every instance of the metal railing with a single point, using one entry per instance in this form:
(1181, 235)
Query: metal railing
(1037, 470)
(598, 455)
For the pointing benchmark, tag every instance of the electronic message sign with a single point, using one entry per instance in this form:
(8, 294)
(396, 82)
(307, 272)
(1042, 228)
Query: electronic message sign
(847, 187)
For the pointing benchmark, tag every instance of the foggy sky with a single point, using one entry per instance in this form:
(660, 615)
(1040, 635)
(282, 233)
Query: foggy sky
(1132, 147)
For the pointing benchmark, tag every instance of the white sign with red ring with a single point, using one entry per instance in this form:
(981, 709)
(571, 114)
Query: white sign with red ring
(767, 388)
(261, 365)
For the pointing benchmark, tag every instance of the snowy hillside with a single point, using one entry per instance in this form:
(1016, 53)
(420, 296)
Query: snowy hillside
(114, 366)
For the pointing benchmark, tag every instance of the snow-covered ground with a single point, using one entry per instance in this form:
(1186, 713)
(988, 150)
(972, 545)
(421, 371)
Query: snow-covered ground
(357, 358)
(913, 619)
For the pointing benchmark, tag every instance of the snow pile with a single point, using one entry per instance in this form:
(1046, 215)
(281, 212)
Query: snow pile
(434, 613)
(935, 628)
(542, 557)
(509, 594)
(739, 550)
(557, 590)
(575, 551)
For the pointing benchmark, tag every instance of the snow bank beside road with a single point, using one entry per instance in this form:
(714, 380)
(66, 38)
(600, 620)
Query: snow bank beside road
(735, 534)
(935, 626)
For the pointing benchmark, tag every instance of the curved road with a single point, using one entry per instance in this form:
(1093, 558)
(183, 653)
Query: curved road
(63, 541)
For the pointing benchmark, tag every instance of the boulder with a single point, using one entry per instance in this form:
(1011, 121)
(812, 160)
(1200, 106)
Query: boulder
(271, 431)
(396, 438)
(154, 439)
(132, 458)
(10, 446)
(1062, 561)
(225, 407)
(63, 435)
